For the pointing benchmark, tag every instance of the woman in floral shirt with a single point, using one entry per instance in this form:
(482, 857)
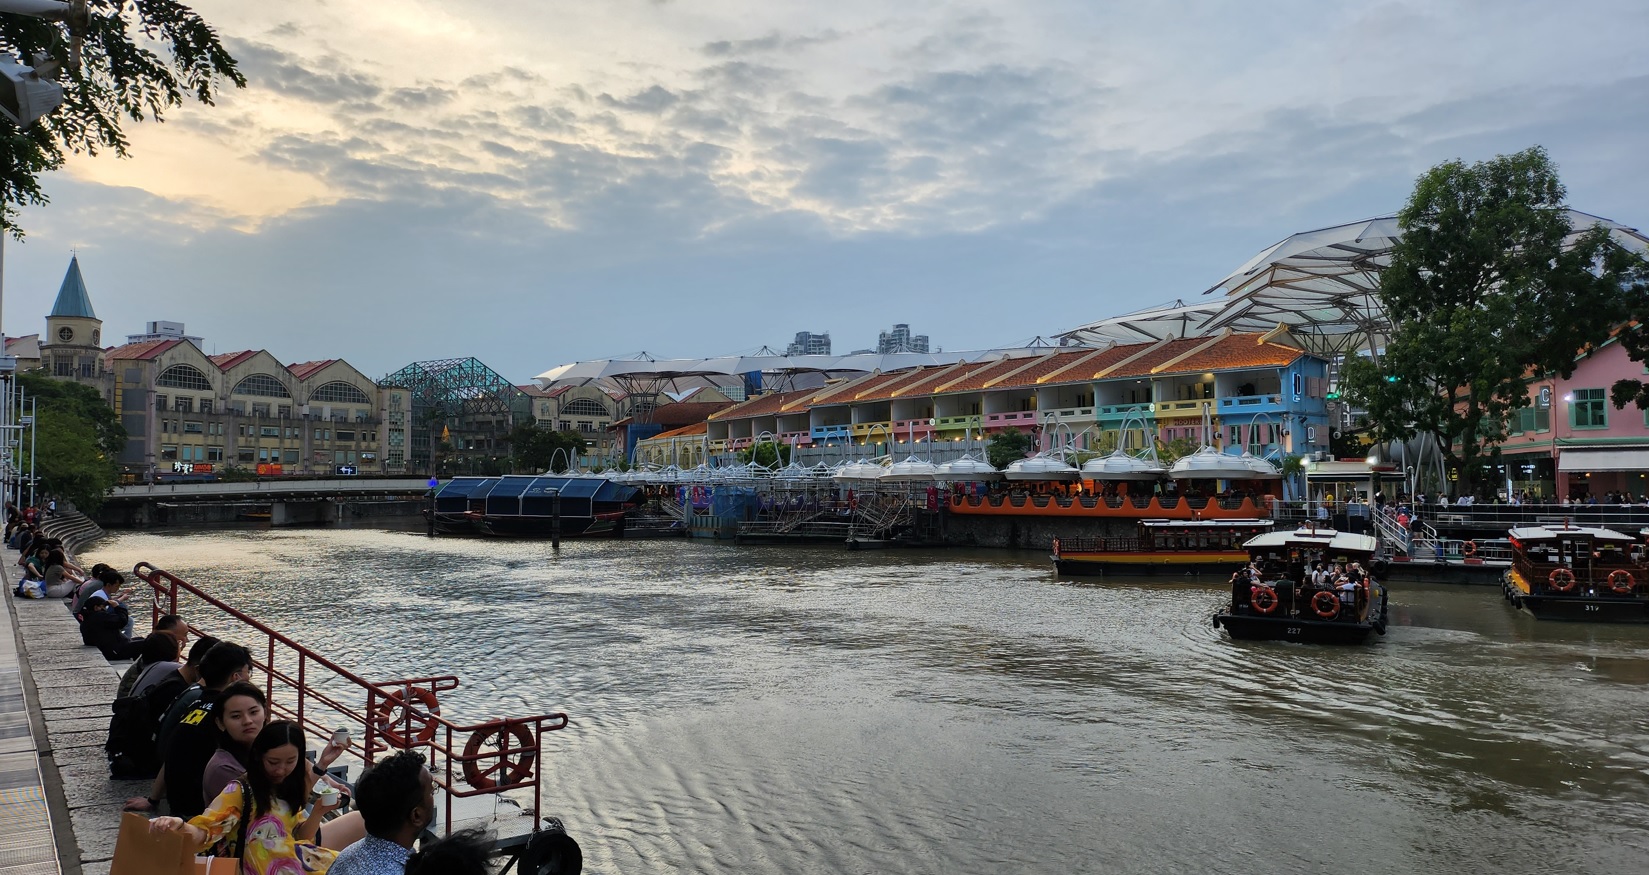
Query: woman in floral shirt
(262, 816)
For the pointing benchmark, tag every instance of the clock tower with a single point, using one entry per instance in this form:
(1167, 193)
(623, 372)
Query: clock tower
(72, 347)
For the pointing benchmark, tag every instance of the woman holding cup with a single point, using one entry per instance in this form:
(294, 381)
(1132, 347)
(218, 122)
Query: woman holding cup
(262, 814)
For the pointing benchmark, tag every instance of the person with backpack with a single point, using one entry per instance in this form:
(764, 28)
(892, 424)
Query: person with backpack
(103, 625)
(189, 743)
(135, 739)
(263, 812)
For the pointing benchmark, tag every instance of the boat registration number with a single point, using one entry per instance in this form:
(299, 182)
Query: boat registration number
(1593, 608)
(1292, 630)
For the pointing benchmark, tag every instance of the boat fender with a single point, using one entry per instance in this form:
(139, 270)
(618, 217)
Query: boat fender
(1264, 599)
(1216, 621)
(551, 851)
(1622, 581)
(1561, 579)
(505, 762)
(1326, 605)
(1379, 567)
(392, 719)
(1380, 627)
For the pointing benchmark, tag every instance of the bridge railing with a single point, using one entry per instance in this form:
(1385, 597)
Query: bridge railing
(491, 757)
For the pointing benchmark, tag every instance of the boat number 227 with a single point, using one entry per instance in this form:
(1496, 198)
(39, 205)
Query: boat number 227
(1293, 630)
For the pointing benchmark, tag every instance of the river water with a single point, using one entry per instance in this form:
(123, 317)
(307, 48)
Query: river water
(810, 710)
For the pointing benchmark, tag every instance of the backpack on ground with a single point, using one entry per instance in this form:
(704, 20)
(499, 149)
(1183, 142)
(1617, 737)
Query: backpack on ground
(131, 745)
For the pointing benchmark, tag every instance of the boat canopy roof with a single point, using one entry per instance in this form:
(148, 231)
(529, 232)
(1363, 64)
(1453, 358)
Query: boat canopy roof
(1208, 524)
(530, 486)
(1553, 533)
(1315, 539)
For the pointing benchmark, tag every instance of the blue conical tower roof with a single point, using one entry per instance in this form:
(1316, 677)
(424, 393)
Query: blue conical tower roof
(72, 299)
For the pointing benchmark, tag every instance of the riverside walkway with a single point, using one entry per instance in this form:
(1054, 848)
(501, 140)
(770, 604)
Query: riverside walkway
(59, 810)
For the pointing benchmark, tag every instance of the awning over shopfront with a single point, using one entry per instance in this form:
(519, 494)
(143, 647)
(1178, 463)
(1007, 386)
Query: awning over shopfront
(1348, 472)
(1603, 460)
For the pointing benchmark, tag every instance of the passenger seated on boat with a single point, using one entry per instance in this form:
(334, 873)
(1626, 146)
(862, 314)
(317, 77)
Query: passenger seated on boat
(1348, 592)
(1242, 590)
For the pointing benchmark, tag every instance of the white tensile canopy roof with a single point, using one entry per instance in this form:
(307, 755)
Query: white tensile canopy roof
(1321, 286)
(647, 367)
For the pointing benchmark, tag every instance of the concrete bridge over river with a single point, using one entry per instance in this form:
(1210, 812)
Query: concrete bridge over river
(278, 502)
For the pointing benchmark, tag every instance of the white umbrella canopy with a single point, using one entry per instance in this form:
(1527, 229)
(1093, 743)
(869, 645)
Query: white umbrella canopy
(911, 469)
(1119, 465)
(1041, 468)
(794, 472)
(1211, 464)
(863, 469)
(968, 469)
(1262, 469)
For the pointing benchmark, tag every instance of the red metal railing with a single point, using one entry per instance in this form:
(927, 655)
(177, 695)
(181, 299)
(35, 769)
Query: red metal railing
(496, 756)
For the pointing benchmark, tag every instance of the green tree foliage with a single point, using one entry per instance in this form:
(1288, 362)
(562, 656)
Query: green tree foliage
(1172, 451)
(78, 436)
(139, 59)
(537, 449)
(1635, 336)
(768, 454)
(1484, 295)
(1008, 446)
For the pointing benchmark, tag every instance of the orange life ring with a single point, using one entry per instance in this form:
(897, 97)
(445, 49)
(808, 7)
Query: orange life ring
(504, 763)
(1469, 548)
(1561, 579)
(392, 718)
(1622, 581)
(1324, 597)
(1264, 599)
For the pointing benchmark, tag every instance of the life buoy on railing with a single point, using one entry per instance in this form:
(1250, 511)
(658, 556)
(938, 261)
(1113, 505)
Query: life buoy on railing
(502, 762)
(1326, 605)
(1469, 548)
(393, 719)
(1264, 599)
(1561, 579)
(1622, 581)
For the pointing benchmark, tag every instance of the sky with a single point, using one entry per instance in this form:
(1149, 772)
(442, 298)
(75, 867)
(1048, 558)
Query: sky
(536, 183)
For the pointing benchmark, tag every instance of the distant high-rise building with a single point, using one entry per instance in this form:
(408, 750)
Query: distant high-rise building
(901, 340)
(808, 343)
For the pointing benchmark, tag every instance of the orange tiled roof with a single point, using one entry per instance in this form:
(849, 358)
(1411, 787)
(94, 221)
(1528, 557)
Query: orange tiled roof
(761, 405)
(679, 414)
(693, 430)
(980, 378)
(1237, 351)
(148, 349)
(904, 381)
(305, 370)
(227, 360)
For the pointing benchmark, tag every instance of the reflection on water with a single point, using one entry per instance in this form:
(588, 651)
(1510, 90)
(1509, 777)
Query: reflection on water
(800, 710)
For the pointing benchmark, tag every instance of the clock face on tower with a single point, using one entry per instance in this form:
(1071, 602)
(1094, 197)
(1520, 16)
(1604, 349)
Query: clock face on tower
(95, 334)
(65, 334)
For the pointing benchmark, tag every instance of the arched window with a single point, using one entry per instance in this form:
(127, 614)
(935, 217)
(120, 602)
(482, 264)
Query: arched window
(584, 407)
(183, 377)
(261, 385)
(339, 392)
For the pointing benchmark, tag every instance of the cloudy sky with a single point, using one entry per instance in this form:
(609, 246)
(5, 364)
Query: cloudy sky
(535, 183)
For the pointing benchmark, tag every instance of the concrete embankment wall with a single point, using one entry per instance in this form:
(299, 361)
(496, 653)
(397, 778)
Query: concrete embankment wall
(297, 512)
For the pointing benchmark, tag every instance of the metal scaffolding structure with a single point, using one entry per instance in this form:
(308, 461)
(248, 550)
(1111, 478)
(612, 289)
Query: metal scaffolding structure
(462, 402)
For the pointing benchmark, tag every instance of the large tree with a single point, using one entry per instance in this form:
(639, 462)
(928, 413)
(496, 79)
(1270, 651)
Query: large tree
(1484, 295)
(137, 59)
(537, 450)
(79, 437)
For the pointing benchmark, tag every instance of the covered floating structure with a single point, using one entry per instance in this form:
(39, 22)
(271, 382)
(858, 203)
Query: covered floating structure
(532, 505)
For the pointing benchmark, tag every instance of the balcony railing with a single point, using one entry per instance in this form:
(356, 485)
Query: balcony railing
(864, 429)
(1118, 411)
(1069, 415)
(1255, 403)
(954, 423)
(1010, 420)
(1193, 407)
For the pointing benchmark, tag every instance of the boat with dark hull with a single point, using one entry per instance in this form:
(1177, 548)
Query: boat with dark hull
(1581, 573)
(1162, 546)
(1279, 603)
(528, 506)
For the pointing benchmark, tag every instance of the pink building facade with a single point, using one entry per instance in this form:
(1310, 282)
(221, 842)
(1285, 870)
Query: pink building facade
(1571, 442)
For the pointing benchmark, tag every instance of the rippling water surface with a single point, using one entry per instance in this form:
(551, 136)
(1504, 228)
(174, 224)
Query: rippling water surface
(810, 710)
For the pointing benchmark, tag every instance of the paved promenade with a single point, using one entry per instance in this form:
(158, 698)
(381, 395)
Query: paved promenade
(59, 810)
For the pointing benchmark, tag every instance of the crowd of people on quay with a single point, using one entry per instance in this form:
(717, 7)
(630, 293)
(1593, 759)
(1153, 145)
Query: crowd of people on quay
(223, 772)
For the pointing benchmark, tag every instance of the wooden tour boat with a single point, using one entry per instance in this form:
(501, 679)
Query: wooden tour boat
(1578, 573)
(1162, 546)
(1280, 603)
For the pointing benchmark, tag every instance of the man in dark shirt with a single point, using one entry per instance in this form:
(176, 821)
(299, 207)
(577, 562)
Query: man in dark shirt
(195, 738)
